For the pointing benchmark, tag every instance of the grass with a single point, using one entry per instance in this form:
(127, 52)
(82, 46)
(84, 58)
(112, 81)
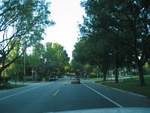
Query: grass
(131, 84)
(10, 86)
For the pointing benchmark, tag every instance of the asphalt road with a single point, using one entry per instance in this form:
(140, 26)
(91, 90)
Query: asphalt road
(62, 96)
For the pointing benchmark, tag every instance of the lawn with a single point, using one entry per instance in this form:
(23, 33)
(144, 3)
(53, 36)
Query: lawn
(131, 84)
(9, 86)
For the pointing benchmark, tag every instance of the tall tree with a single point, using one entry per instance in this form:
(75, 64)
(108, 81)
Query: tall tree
(127, 21)
(92, 50)
(62, 58)
(22, 23)
(56, 58)
(36, 60)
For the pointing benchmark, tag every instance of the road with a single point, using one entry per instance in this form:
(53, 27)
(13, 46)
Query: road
(62, 96)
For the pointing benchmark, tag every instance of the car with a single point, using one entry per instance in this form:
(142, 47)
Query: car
(56, 77)
(52, 78)
(75, 80)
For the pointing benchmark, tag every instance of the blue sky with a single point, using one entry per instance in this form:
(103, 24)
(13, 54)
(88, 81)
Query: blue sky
(66, 14)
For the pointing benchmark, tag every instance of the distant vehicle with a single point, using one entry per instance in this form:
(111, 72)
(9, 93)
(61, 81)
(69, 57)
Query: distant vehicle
(75, 80)
(65, 76)
(56, 77)
(53, 78)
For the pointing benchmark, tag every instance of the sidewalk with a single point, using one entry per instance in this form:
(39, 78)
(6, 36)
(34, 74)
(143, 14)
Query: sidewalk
(23, 82)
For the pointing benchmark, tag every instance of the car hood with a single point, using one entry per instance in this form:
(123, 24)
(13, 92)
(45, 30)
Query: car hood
(109, 110)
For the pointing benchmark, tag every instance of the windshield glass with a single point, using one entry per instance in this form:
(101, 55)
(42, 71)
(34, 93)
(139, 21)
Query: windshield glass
(74, 56)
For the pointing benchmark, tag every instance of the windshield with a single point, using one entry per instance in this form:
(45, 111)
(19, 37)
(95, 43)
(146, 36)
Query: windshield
(74, 55)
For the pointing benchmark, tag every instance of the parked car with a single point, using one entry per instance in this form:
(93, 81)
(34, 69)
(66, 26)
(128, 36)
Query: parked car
(75, 80)
(53, 78)
(56, 77)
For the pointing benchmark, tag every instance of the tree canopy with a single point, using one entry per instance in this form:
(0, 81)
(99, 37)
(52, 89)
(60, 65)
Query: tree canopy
(119, 29)
(22, 24)
(40, 62)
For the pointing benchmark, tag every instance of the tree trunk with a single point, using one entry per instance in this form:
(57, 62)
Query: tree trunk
(105, 72)
(104, 76)
(116, 75)
(1, 79)
(116, 68)
(141, 76)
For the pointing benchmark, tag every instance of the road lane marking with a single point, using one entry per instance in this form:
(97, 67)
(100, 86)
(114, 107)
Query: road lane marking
(104, 96)
(21, 92)
(56, 93)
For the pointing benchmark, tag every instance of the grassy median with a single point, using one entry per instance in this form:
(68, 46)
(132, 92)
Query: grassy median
(131, 84)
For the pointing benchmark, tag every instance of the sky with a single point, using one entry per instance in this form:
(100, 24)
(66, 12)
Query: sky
(66, 14)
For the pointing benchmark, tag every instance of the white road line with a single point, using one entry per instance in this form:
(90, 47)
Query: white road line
(104, 96)
(56, 93)
(21, 92)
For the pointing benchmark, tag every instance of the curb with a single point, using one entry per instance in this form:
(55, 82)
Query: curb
(143, 96)
(129, 92)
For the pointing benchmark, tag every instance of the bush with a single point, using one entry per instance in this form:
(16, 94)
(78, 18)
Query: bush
(146, 71)
(4, 79)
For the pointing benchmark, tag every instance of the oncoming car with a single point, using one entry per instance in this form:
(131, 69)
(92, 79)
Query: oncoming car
(75, 80)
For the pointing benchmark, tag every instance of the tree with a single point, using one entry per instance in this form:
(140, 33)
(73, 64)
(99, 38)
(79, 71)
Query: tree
(56, 58)
(22, 24)
(127, 21)
(92, 50)
(77, 68)
(133, 17)
(35, 61)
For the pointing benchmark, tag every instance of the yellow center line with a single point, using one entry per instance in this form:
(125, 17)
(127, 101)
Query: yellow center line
(56, 93)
